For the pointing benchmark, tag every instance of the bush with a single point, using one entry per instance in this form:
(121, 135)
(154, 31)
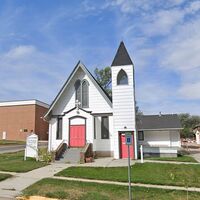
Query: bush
(46, 156)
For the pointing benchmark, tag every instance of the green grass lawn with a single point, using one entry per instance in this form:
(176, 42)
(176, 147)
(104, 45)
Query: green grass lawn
(149, 173)
(4, 176)
(71, 190)
(180, 158)
(10, 142)
(14, 162)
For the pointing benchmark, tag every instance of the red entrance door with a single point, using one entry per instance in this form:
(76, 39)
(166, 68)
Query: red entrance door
(77, 136)
(124, 147)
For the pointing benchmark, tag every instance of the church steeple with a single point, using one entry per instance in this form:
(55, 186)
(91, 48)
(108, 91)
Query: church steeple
(122, 57)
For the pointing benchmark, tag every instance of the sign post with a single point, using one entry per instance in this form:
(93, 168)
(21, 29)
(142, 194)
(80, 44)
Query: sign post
(141, 154)
(128, 143)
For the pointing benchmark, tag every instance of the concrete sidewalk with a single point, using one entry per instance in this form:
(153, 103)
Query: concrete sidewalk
(12, 187)
(110, 162)
(168, 162)
(196, 156)
(166, 187)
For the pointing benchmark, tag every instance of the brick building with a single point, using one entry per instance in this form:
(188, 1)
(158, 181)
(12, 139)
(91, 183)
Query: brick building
(19, 118)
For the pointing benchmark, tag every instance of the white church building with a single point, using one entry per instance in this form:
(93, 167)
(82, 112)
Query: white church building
(83, 112)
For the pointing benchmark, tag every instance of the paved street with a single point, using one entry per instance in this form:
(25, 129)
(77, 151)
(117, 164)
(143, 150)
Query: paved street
(15, 148)
(11, 148)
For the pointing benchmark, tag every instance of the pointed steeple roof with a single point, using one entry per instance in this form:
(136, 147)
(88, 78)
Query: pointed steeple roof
(122, 57)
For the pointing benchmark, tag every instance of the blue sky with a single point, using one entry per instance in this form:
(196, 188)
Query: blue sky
(41, 42)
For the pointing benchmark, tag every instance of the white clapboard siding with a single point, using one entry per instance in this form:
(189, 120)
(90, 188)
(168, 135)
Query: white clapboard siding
(123, 104)
(54, 143)
(97, 103)
(161, 138)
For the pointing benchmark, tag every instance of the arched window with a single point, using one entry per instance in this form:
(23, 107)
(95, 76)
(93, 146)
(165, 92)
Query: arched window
(77, 86)
(122, 78)
(85, 94)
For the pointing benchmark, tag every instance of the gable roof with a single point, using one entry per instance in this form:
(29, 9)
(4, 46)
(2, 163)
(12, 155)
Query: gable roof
(153, 122)
(82, 66)
(122, 57)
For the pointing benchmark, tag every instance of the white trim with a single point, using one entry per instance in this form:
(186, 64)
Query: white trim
(135, 145)
(23, 102)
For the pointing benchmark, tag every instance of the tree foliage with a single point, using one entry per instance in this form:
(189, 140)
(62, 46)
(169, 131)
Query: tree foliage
(188, 122)
(137, 110)
(103, 77)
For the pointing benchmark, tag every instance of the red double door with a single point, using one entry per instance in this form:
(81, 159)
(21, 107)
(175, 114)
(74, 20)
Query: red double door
(124, 147)
(77, 136)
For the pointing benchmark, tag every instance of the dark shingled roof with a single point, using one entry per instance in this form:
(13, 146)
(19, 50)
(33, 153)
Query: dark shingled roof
(122, 57)
(198, 125)
(153, 122)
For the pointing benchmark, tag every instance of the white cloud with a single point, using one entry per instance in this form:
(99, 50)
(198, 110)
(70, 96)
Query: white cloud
(193, 7)
(151, 92)
(133, 6)
(28, 72)
(20, 52)
(182, 52)
(190, 90)
(162, 22)
(126, 6)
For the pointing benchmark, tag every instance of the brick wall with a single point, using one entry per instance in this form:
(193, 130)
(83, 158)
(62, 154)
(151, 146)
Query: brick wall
(41, 126)
(18, 121)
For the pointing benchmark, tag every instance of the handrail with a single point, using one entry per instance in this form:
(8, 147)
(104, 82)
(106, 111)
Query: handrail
(60, 149)
(86, 153)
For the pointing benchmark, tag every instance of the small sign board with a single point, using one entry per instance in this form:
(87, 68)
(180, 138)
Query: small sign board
(128, 138)
(31, 149)
(4, 135)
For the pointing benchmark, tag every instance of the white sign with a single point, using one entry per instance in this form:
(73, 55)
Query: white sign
(4, 135)
(31, 149)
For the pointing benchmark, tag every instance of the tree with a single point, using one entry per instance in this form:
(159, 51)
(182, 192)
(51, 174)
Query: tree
(103, 77)
(137, 110)
(188, 122)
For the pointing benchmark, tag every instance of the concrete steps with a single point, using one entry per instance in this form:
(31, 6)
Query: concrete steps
(70, 156)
